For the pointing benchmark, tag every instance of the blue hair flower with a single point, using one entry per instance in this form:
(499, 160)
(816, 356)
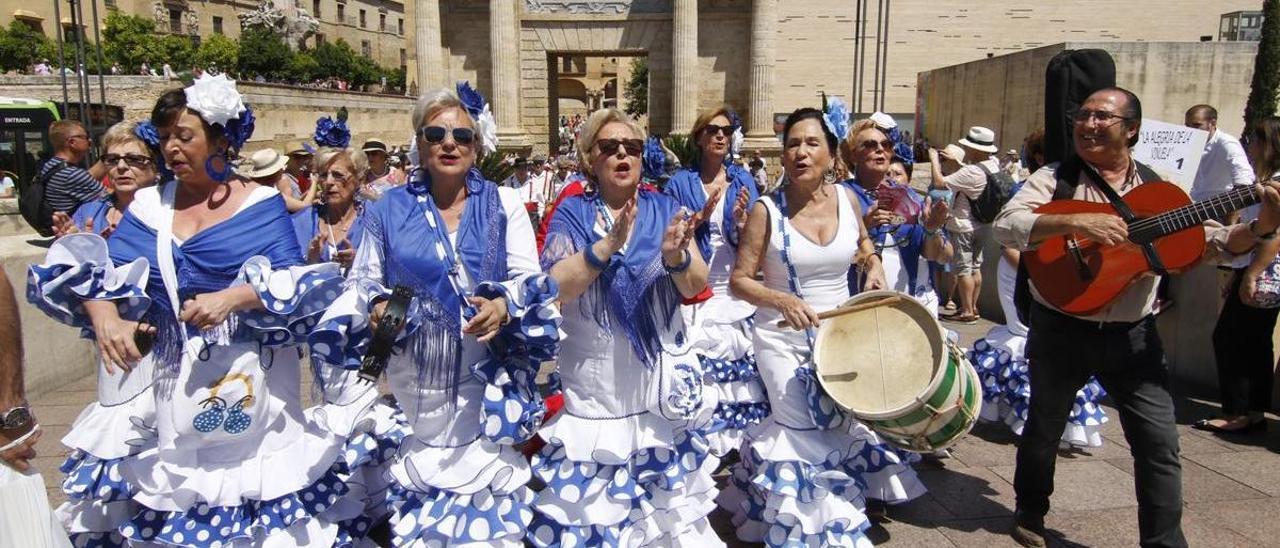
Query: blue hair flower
(836, 118)
(902, 151)
(146, 131)
(239, 129)
(471, 99)
(654, 159)
(735, 121)
(332, 134)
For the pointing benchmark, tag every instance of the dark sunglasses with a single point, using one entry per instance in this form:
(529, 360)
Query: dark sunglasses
(133, 160)
(872, 144)
(712, 129)
(610, 146)
(436, 134)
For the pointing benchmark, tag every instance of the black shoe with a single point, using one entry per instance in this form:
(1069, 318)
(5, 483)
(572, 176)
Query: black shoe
(1028, 531)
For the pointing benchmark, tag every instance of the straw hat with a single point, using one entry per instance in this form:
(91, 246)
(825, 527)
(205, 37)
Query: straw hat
(263, 163)
(953, 152)
(981, 139)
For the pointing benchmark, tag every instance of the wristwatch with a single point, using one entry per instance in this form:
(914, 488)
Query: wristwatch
(16, 418)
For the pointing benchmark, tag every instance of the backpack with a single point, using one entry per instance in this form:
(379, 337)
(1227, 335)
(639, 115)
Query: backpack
(31, 203)
(1068, 178)
(993, 197)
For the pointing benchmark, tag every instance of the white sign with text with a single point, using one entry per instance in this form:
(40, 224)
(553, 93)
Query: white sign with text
(1173, 150)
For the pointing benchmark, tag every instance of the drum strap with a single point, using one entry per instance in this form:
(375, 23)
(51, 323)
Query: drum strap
(792, 277)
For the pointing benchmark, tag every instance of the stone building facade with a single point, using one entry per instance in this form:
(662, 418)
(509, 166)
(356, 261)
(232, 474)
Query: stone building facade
(376, 28)
(759, 56)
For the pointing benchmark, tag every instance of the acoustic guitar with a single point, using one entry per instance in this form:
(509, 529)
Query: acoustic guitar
(1081, 277)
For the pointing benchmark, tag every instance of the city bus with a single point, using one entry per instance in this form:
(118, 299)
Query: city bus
(24, 137)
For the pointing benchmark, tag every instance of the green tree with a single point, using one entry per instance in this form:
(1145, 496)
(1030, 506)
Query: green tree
(1266, 68)
(218, 50)
(302, 68)
(131, 40)
(335, 59)
(177, 50)
(636, 90)
(21, 46)
(263, 51)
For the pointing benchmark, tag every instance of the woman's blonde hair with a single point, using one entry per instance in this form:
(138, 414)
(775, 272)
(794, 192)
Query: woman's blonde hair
(120, 134)
(703, 121)
(846, 163)
(326, 155)
(587, 138)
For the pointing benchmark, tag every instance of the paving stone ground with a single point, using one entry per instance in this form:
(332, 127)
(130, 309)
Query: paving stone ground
(1231, 484)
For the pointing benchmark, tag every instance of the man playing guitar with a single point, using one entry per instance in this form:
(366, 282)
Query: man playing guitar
(1119, 344)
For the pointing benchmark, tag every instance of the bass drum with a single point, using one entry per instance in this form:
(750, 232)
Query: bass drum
(892, 368)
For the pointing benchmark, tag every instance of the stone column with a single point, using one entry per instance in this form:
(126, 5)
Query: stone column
(764, 21)
(428, 46)
(684, 57)
(504, 49)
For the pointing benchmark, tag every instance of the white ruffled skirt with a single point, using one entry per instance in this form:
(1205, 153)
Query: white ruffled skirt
(1001, 363)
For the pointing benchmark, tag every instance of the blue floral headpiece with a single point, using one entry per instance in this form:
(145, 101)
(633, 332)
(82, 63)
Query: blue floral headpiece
(478, 108)
(654, 160)
(331, 133)
(146, 131)
(835, 116)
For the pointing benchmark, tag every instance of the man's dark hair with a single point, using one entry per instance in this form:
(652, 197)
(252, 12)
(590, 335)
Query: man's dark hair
(1132, 109)
(1207, 111)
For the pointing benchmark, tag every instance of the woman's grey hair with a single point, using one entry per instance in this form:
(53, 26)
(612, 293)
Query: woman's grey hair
(326, 155)
(432, 102)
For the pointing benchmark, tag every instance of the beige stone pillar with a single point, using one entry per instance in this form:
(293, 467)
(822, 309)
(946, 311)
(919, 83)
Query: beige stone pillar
(428, 46)
(504, 48)
(684, 57)
(764, 21)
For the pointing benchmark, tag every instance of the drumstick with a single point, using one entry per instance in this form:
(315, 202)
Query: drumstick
(840, 311)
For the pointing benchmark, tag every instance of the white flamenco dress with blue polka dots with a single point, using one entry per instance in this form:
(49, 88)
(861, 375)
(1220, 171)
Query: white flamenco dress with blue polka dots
(457, 478)
(1001, 362)
(808, 470)
(720, 332)
(229, 457)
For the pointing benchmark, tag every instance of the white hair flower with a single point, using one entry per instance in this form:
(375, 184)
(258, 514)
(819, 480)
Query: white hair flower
(215, 98)
(487, 128)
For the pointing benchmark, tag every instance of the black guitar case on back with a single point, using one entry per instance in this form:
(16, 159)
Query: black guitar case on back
(1070, 78)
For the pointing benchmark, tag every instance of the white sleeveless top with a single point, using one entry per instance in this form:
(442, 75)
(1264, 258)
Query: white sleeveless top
(822, 271)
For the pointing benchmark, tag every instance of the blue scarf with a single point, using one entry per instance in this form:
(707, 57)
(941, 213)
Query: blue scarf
(635, 290)
(207, 262)
(398, 222)
(912, 234)
(686, 187)
(306, 226)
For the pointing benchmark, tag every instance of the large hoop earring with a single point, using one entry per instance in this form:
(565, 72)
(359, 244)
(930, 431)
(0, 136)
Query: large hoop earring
(218, 175)
(829, 176)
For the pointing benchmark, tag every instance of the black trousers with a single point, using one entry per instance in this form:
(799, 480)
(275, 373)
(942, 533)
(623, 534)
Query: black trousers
(1242, 348)
(1128, 360)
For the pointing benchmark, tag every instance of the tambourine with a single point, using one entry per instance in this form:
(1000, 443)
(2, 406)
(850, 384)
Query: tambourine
(384, 337)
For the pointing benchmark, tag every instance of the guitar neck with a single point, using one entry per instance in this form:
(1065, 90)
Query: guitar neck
(1194, 214)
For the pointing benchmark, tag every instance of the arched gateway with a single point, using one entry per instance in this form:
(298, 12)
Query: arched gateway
(540, 59)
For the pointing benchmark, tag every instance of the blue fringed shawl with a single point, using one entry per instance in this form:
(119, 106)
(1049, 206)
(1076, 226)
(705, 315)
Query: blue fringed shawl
(686, 187)
(913, 234)
(634, 292)
(208, 261)
(397, 222)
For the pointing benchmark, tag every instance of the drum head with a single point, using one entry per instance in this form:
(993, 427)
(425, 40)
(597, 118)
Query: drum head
(877, 362)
